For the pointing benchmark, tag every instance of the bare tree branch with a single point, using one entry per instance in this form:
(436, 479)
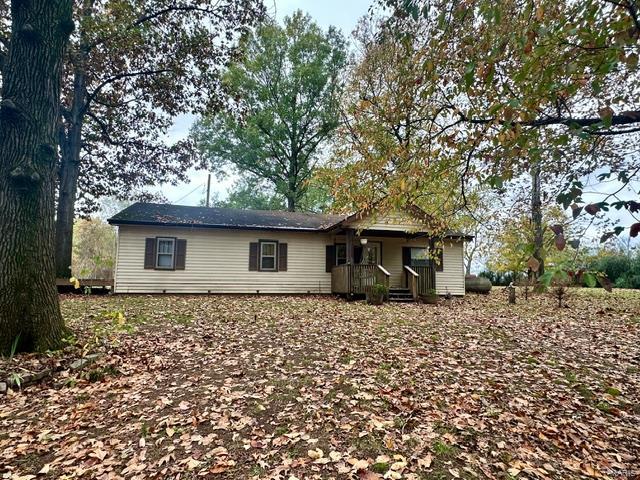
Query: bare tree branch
(626, 118)
(115, 78)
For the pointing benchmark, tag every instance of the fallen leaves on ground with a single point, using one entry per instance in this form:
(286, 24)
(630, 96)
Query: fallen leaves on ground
(315, 387)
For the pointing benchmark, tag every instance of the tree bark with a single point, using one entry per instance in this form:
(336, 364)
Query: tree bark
(30, 316)
(292, 178)
(70, 141)
(291, 203)
(67, 190)
(536, 219)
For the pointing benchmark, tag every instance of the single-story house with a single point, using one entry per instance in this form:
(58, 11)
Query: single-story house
(183, 249)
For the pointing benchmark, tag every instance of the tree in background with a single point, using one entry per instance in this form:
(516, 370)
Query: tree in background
(31, 59)
(515, 84)
(130, 69)
(384, 156)
(252, 194)
(480, 222)
(621, 267)
(94, 249)
(514, 245)
(285, 90)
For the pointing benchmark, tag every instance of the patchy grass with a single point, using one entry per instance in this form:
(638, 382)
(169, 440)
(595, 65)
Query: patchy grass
(313, 387)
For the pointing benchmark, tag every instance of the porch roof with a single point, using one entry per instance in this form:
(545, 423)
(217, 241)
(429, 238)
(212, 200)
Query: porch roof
(367, 232)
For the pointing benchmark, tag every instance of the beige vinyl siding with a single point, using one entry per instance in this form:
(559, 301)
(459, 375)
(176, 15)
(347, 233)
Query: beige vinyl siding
(217, 261)
(451, 279)
(394, 222)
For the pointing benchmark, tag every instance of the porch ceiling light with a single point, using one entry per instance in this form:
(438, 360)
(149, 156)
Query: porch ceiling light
(363, 241)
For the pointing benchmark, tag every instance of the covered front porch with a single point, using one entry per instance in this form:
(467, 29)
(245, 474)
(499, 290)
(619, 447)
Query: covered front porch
(396, 259)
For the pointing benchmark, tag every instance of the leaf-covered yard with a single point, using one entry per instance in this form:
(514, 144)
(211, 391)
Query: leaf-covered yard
(313, 387)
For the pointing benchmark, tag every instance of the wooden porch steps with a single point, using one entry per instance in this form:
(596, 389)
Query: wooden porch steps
(400, 295)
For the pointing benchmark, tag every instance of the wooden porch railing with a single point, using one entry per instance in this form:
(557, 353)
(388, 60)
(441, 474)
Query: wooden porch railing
(412, 281)
(420, 280)
(357, 279)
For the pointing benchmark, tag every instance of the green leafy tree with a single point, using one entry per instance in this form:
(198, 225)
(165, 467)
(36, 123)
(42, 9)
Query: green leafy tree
(94, 249)
(622, 268)
(317, 197)
(252, 194)
(285, 90)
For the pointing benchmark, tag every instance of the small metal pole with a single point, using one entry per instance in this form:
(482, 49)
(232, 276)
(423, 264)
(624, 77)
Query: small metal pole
(208, 189)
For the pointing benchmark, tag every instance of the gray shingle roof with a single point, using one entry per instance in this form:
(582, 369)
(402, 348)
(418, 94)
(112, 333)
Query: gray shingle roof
(187, 216)
(181, 215)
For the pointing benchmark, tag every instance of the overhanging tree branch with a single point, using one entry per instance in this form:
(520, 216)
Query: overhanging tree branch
(148, 16)
(121, 76)
(626, 118)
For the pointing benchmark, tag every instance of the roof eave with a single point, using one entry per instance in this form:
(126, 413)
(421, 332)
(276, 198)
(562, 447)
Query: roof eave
(113, 221)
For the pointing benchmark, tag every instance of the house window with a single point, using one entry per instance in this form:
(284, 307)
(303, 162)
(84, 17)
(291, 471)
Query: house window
(165, 249)
(341, 253)
(268, 255)
(419, 257)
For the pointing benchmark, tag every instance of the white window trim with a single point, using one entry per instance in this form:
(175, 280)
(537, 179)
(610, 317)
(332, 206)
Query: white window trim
(274, 256)
(173, 252)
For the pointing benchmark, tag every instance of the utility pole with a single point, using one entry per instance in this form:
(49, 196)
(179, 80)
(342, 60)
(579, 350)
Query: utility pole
(208, 189)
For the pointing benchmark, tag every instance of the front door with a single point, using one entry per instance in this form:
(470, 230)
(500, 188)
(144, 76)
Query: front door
(371, 254)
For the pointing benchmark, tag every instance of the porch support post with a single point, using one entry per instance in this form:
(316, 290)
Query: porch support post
(349, 246)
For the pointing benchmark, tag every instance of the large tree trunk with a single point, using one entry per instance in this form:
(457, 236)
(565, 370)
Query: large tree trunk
(70, 147)
(30, 315)
(70, 140)
(291, 203)
(536, 218)
(291, 180)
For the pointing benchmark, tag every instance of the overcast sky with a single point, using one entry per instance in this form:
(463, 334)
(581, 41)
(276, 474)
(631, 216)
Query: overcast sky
(343, 14)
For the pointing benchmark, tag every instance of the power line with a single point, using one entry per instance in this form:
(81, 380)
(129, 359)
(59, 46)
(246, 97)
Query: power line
(192, 191)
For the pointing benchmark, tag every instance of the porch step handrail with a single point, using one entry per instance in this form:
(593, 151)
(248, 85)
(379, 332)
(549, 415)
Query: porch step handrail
(384, 270)
(412, 281)
(421, 280)
(385, 279)
(411, 270)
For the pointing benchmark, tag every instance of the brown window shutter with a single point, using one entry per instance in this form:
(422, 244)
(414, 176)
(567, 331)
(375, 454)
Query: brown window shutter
(254, 248)
(330, 257)
(181, 253)
(282, 257)
(150, 253)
